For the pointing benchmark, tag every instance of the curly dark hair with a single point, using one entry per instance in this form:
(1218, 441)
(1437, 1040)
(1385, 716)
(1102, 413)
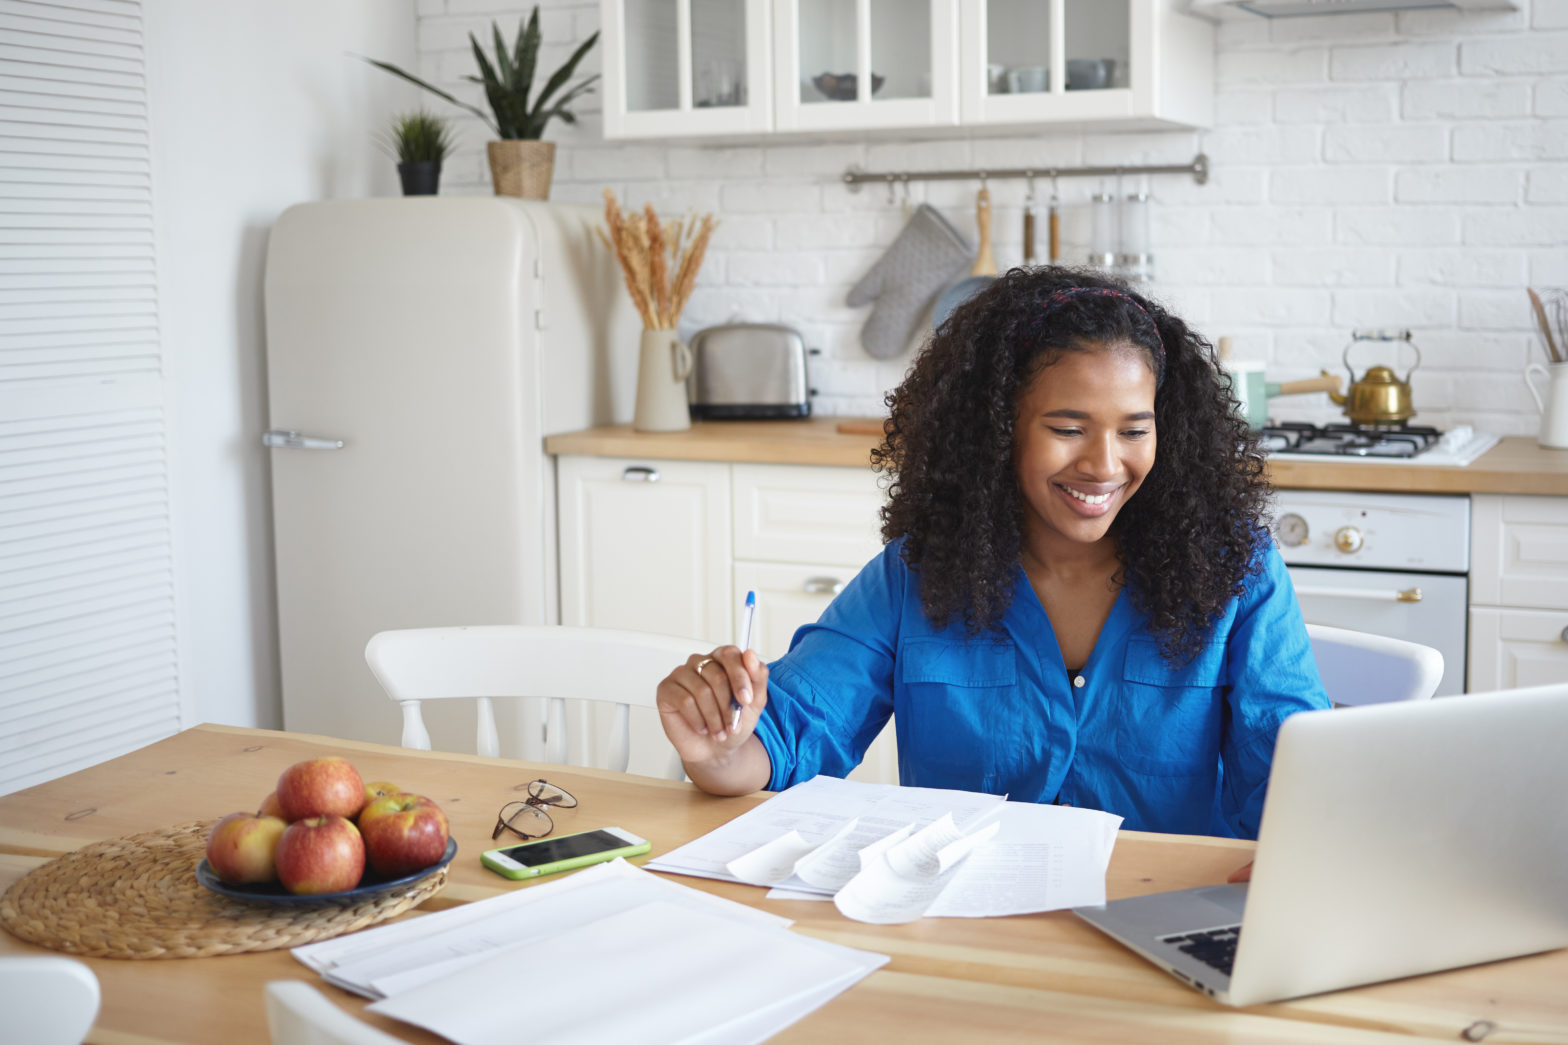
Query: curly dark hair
(1186, 540)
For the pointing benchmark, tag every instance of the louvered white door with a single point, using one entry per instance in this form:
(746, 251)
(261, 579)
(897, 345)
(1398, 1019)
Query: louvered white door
(87, 626)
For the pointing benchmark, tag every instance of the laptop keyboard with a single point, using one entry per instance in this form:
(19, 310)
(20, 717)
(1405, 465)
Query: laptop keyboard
(1215, 948)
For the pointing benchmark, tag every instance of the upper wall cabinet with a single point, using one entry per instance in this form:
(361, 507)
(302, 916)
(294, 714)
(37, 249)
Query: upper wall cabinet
(686, 68)
(708, 68)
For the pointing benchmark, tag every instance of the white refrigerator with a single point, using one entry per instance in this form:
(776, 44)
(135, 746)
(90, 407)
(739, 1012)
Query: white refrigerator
(418, 352)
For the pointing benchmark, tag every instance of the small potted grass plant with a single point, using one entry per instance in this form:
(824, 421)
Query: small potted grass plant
(520, 163)
(420, 141)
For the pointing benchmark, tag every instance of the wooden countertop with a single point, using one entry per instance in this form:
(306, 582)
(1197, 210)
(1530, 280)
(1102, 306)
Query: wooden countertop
(1517, 465)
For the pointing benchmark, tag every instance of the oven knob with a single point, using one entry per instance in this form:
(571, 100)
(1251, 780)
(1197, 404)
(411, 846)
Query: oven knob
(1291, 530)
(1347, 539)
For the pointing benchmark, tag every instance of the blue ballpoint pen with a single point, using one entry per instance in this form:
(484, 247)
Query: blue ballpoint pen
(747, 617)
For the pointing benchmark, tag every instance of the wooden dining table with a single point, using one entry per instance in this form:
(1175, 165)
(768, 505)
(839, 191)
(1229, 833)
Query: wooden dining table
(1035, 977)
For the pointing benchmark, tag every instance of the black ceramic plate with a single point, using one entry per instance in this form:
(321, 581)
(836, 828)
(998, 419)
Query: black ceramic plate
(273, 895)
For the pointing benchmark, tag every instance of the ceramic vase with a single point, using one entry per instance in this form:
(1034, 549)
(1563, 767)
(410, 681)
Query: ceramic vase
(1553, 405)
(663, 364)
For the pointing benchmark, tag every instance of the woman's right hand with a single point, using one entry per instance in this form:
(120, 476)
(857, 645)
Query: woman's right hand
(694, 704)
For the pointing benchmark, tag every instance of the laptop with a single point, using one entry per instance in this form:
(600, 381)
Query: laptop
(1396, 839)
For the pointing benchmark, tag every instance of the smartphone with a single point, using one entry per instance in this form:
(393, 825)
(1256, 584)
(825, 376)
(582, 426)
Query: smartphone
(563, 853)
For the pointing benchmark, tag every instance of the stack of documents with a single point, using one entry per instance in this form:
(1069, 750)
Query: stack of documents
(885, 853)
(610, 953)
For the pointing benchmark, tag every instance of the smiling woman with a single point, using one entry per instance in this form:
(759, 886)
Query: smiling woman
(1078, 601)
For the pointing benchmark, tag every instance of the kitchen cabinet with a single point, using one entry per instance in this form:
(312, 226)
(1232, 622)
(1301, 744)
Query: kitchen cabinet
(674, 546)
(1518, 591)
(718, 68)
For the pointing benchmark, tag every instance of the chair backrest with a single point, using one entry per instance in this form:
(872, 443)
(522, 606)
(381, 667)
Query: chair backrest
(1361, 668)
(298, 1014)
(622, 668)
(46, 1000)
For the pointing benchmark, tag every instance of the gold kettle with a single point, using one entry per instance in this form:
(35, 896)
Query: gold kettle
(1379, 399)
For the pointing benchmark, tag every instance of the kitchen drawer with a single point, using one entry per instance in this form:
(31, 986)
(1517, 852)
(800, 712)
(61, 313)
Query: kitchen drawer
(1510, 648)
(1519, 553)
(806, 514)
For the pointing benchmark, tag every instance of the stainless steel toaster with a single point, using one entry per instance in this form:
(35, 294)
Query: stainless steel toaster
(748, 371)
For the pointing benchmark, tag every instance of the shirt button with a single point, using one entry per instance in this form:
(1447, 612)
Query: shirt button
(1078, 681)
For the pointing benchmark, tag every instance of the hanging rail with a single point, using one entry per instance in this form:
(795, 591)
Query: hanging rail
(854, 177)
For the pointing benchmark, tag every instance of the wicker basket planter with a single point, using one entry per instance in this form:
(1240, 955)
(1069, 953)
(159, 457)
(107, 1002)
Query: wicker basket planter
(522, 167)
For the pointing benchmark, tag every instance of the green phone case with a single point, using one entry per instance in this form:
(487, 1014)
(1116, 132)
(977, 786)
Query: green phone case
(569, 864)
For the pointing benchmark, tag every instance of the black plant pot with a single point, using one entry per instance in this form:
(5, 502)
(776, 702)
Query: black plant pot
(419, 179)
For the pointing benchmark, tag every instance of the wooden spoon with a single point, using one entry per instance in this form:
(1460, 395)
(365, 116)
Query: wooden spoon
(1540, 319)
(985, 261)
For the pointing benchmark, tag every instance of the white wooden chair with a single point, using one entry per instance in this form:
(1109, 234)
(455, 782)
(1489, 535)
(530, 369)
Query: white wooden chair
(1360, 668)
(557, 663)
(298, 1014)
(45, 1000)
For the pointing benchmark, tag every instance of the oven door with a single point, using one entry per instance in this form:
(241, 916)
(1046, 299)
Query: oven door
(1428, 608)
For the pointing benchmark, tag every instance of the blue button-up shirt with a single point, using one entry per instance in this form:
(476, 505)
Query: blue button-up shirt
(1170, 747)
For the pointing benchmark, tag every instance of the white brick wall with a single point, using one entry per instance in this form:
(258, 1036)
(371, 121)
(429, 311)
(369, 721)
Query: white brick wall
(1388, 169)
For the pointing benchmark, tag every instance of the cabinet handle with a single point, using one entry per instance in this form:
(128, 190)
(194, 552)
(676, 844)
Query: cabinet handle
(823, 586)
(640, 473)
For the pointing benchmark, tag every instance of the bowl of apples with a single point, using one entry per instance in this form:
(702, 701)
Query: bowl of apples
(325, 836)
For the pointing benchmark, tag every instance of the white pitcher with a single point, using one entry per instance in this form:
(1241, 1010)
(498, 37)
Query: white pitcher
(662, 367)
(1554, 407)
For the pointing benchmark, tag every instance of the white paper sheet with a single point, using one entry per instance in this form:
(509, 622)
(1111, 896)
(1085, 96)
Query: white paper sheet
(817, 809)
(1041, 858)
(655, 973)
(383, 963)
(900, 883)
(1044, 858)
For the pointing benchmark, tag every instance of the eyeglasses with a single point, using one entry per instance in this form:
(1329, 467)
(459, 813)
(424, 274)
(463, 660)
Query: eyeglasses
(529, 819)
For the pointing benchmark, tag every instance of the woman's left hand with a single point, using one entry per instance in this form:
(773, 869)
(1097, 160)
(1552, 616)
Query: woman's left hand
(1241, 874)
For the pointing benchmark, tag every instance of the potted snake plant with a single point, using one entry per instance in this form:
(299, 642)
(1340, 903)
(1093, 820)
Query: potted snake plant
(521, 164)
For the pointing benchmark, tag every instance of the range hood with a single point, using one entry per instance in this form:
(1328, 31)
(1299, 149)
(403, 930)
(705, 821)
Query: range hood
(1293, 8)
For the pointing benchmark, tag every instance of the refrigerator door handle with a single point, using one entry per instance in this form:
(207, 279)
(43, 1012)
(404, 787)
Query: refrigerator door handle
(278, 439)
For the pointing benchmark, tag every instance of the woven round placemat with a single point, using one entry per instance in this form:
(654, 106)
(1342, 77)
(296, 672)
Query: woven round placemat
(137, 897)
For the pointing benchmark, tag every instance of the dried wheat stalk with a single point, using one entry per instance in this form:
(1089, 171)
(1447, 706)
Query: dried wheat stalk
(641, 242)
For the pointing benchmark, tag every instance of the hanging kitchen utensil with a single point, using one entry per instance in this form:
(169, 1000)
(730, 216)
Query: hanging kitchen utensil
(1379, 398)
(1054, 224)
(1029, 223)
(983, 271)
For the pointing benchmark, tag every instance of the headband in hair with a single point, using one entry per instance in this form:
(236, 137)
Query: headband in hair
(1060, 297)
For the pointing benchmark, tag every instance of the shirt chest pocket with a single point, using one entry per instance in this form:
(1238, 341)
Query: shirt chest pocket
(1171, 714)
(954, 703)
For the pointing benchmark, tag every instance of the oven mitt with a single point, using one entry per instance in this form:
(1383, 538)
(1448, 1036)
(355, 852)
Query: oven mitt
(927, 255)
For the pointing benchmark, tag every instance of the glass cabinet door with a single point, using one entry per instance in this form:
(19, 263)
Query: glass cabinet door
(865, 63)
(1096, 39)
(1030, 60)
(1017, 47)
(684, 67)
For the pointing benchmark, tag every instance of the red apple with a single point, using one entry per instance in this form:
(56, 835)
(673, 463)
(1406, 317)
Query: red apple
(320, 854)
(241, 846)
(321, 787)
(375, 789)
(403, 833)
(270, 807)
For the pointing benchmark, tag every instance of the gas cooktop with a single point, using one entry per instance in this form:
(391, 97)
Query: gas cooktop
(1338, 442)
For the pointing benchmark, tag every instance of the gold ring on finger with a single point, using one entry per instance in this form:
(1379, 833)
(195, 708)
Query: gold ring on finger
(704, 662)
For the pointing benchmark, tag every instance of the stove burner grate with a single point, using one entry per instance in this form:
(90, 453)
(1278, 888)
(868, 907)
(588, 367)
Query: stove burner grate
(1346, 440)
